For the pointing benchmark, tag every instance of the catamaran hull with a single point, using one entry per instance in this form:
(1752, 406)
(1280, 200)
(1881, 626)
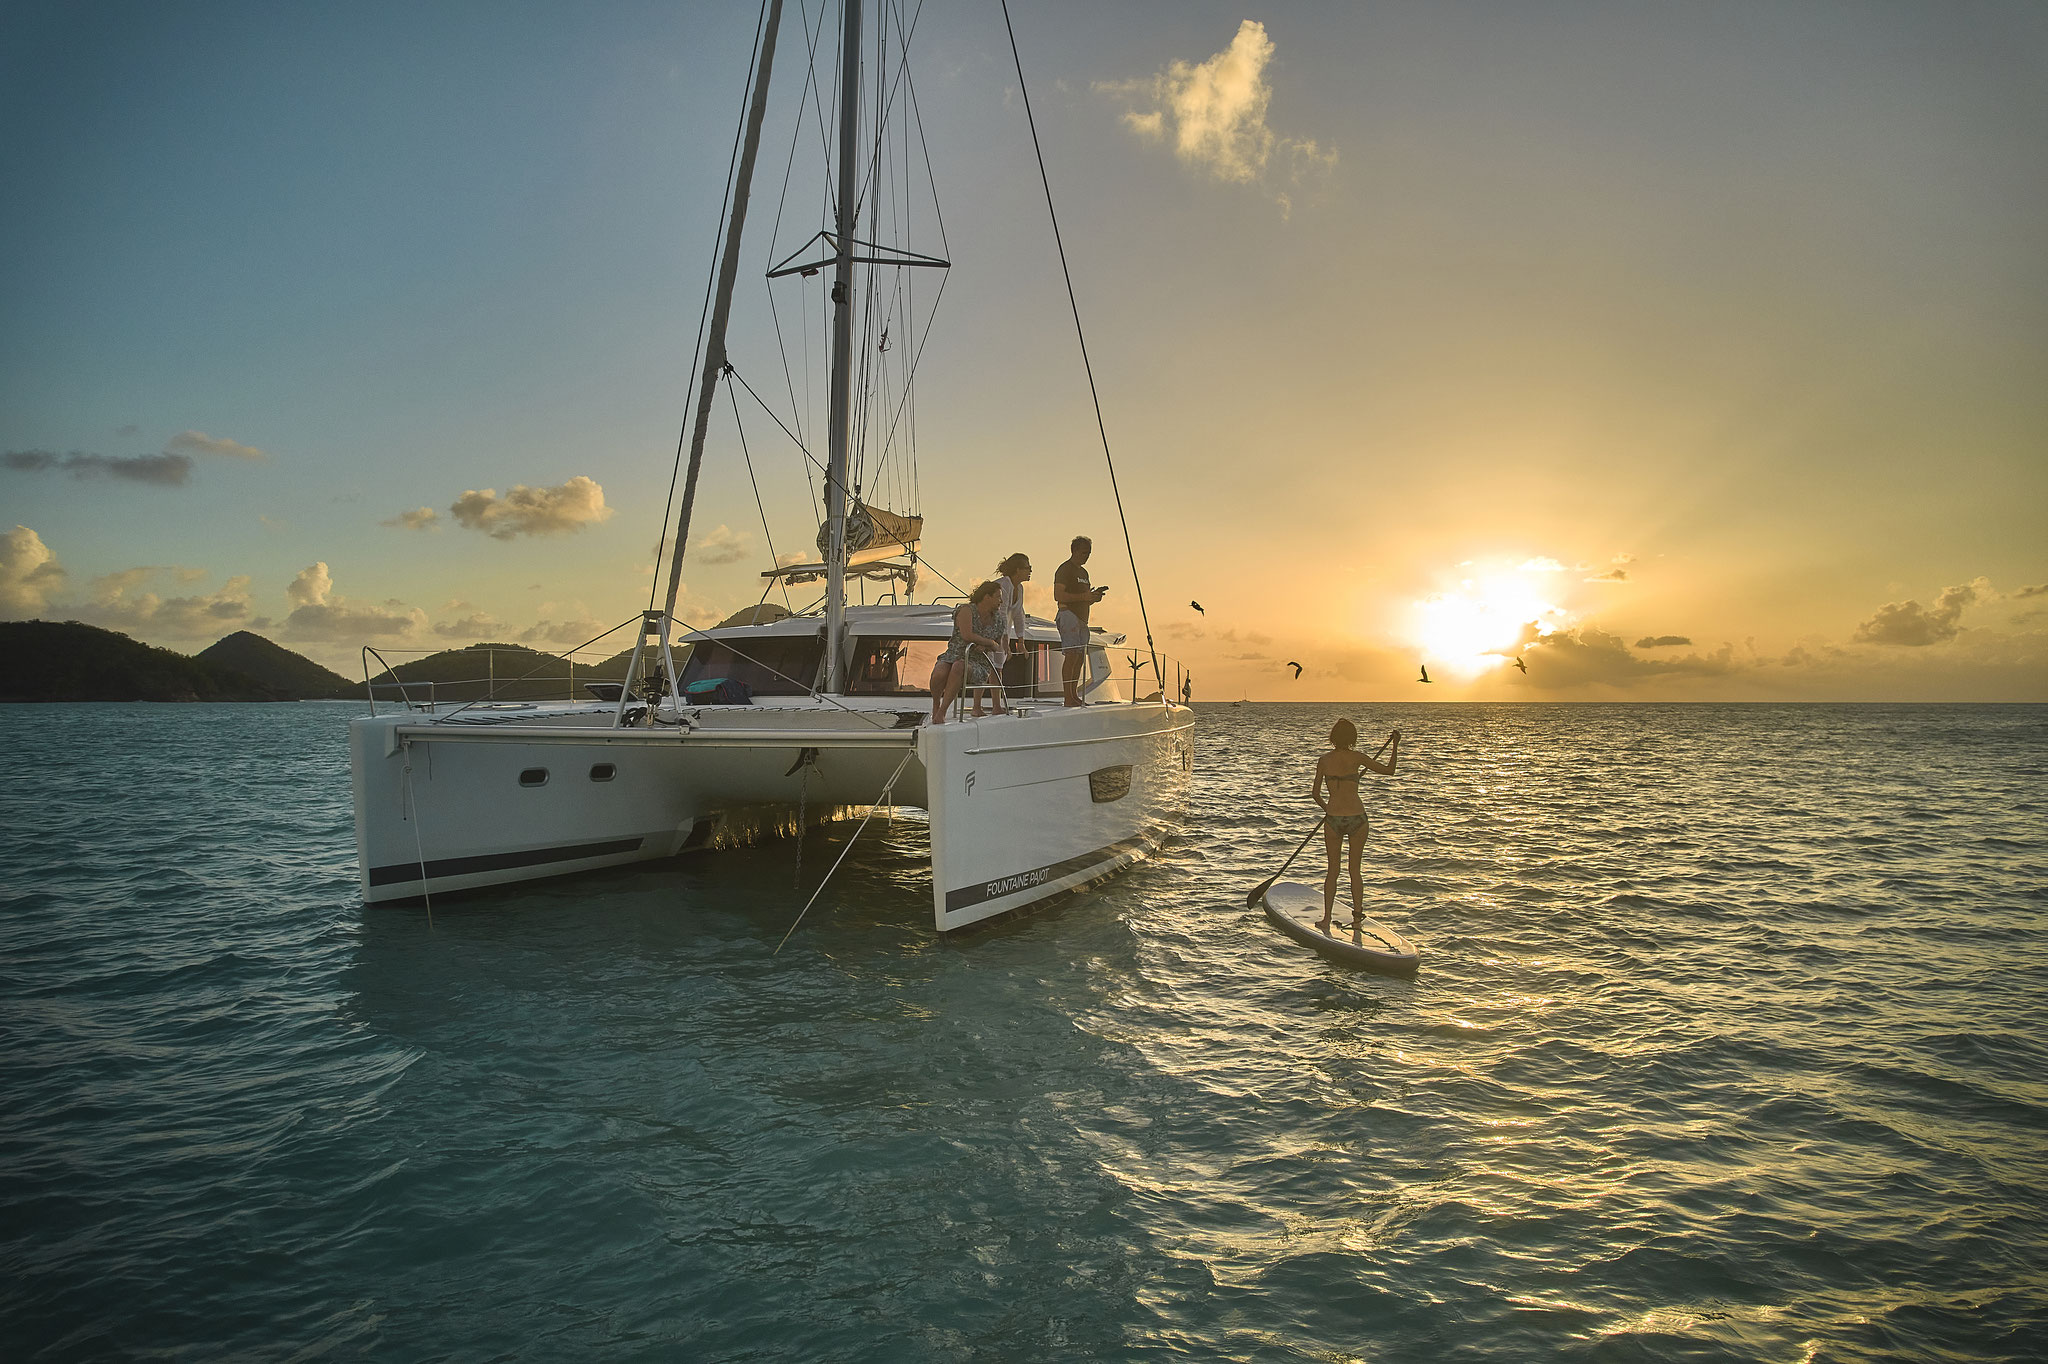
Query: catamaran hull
(1021, 809)
(1024, 809)
(440, 810)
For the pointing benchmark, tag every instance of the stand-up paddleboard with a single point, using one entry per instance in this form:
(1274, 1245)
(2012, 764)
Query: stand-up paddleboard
(1297, 910)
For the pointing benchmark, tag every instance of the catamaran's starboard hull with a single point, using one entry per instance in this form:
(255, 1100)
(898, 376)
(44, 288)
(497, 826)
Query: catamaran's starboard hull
(1024, 809)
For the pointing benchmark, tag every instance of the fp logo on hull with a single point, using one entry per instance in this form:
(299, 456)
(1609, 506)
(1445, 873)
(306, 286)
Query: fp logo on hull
(970, 783)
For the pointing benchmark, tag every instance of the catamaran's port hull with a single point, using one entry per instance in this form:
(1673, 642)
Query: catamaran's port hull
(1022, 808)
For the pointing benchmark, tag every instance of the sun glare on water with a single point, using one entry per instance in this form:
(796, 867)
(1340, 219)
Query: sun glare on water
(1482, 622)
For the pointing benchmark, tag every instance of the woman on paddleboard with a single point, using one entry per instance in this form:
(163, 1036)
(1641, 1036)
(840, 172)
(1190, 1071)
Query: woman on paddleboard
(1344, 815)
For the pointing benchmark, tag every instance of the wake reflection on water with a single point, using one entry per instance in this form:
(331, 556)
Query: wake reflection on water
(1725, 1043)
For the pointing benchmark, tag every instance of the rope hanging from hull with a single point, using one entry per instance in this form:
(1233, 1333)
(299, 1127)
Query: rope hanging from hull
(881, 802)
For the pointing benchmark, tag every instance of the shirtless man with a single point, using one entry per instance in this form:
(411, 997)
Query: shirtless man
(1074, 594)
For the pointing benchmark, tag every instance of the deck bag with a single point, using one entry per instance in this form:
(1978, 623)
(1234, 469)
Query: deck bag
(719, 691)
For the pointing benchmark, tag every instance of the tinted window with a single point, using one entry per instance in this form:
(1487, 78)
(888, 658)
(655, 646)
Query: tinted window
(770, 666)
(893, 667)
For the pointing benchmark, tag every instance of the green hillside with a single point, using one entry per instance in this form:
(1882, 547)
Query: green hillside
(273, 665)
(46, 660)
(67, 661)
(505, 672)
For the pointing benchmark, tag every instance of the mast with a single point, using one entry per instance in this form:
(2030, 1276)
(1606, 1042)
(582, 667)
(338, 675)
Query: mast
(842, 350)
(714, 345)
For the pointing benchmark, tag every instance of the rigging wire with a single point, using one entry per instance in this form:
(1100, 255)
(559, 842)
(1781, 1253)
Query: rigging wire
(766, 534)
(1075, 305)
(704, 318)
(741, 380)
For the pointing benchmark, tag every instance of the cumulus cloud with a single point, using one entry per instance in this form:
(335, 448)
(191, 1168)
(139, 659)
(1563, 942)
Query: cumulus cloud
(1541, 564)
(419, 518)
(1911, 625)
(312, 587)
(795, 556)
(571, 632)
(123, 601)
(1661, 641)
(1213, 114)
(1584, 655)
(320, 613)
(29, 574)
(1612, 575)
(166, 470)
(532, 511)
(470, 623)
(2040, 590)
(721, 546)
(199, 443)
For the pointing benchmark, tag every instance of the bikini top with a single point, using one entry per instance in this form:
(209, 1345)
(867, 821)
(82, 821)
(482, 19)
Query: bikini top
(1333, 779)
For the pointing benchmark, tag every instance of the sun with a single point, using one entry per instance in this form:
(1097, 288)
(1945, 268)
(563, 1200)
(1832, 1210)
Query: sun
(1479, 624)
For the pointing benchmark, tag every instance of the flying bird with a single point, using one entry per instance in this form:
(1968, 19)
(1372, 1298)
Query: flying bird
(1520, 664)
(1297, 670)
(1425, 675)
(1198, 606)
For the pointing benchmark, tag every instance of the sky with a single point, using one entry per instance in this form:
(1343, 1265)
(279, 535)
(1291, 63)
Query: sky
(1683, 352)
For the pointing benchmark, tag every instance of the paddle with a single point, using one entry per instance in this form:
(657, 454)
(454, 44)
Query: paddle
(1251, 901)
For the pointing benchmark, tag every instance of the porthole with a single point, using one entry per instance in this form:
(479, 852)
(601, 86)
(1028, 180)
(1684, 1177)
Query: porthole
(603, 771)
(1106, 784)
(534, 776)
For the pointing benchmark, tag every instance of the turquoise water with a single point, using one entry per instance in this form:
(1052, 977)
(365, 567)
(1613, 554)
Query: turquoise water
(1728, 1044)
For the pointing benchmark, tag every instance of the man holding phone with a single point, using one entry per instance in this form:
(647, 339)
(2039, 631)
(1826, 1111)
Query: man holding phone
(1074, 594)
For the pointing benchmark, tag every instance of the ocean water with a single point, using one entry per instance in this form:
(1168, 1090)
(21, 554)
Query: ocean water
(1728, 1044)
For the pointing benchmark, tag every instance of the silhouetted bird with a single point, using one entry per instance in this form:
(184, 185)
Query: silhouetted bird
(1198, 606)
(1424, 677)
(1520, 664)
(1297, 670)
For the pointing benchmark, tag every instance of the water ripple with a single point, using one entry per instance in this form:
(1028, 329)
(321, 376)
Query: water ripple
(1709, 1058)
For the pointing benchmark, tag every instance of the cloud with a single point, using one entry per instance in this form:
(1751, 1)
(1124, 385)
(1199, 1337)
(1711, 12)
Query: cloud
(163, 470)
(532, 511)
(1612, 575)
(199, 443)
(474, 625)
(1911, 625)
(120, 601)
(572, 632)
(2032, 591)
(312, 587)
(320, 613)
(419, 518)
(1213, 113)
(29, 574)
(721, 546)
(1541, 564)
(795, 556)
(1580, 656)
(1661, 641)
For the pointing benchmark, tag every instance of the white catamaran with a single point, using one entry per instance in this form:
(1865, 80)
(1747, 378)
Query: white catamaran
(803, 717)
